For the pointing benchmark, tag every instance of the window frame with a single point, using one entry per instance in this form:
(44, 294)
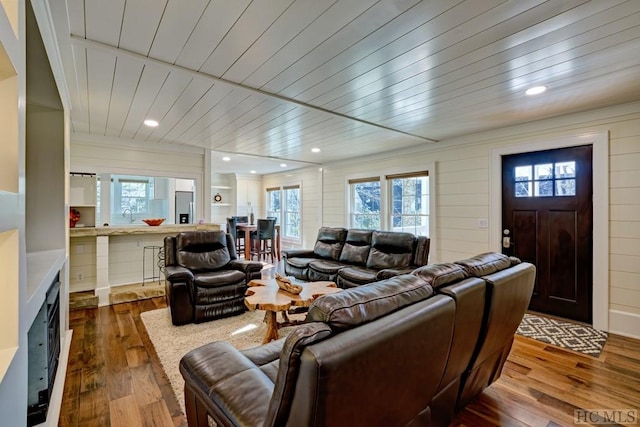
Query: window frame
(283, 215)
(424, 192)
(353, 212)
(386, 196)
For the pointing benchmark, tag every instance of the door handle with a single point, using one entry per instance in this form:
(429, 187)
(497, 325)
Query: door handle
(506, 239)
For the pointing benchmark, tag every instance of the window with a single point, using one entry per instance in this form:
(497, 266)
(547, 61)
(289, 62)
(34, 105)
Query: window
(409, 202)
(545, 180)
(134, 195)
(365, 203)
(284, 204)
(291, 212)
(273, 203)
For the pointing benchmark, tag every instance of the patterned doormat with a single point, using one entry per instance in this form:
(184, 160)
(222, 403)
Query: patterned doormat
(565, 334)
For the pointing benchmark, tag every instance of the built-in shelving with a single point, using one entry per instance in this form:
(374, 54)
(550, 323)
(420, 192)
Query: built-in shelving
(9, 303)
(83, 196)
(9, 141)
(10, 161)
(10, 8)
(222, 189)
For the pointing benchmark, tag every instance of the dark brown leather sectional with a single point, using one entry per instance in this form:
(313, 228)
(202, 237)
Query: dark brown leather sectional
(352, 257)
(405, 351)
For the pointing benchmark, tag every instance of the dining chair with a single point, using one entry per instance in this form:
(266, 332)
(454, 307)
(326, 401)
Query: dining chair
(262, 240)
(238, 238)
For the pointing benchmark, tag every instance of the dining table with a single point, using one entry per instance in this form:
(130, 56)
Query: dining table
(247, 229)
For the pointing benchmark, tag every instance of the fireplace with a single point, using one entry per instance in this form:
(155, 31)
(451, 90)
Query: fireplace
(44, 353)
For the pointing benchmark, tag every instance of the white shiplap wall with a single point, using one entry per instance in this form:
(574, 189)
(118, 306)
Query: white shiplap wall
(462, 193)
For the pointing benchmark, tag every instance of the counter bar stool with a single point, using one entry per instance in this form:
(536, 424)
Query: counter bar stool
(262, 240)
(157, 263)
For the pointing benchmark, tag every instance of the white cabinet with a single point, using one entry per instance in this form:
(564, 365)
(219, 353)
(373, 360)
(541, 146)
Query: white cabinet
(249, 196)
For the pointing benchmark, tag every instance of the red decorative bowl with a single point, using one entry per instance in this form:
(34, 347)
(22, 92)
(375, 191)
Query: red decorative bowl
(153, 221)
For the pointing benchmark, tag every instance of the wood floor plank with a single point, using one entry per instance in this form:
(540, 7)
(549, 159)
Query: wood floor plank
(156, 414)
(115, 378)
(125, 412)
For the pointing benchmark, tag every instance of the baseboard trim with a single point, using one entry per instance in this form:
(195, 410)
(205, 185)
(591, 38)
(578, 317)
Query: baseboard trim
(625, 324)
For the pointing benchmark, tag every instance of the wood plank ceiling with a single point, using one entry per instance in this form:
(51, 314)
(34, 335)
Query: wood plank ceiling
(351, 77)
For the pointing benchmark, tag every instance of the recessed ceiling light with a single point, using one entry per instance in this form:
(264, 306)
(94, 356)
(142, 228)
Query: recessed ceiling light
(226, 159)
(536, 90)
(315, 150)
(283, 165)
(151, 123)
(253, 172)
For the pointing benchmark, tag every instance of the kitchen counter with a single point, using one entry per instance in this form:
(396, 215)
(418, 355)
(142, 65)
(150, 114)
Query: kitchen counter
(104, 257)
(138, 229)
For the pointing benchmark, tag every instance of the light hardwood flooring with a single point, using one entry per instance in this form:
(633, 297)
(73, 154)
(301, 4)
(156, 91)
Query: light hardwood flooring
(115, 379)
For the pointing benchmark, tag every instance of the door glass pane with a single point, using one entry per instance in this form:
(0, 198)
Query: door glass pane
(566, 187)
(566, 170)
(543, 188)
(544, 171)
(523, 173)
(523, 189)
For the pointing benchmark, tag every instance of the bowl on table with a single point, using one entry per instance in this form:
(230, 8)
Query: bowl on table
(153, 221)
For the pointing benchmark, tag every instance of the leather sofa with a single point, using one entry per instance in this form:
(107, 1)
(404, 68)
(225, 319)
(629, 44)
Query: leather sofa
(410, 350)
(352, 257)
(205, 280)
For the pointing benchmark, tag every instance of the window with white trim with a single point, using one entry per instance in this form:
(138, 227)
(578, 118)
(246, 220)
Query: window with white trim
(291, 212)
(365, 203)
(285, 204)
(274, 207)
(409, 202)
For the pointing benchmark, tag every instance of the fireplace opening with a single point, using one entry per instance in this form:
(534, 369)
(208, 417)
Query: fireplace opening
(44, 353)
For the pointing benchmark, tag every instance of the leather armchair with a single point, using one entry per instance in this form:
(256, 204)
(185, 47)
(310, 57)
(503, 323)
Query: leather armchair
(205, 278)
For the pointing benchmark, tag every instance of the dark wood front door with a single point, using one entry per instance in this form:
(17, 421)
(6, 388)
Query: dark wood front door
(547, 219)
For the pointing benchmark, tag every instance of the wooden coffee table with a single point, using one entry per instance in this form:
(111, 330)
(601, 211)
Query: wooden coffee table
(266, 295)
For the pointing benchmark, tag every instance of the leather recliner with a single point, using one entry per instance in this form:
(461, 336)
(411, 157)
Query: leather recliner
(205, 280)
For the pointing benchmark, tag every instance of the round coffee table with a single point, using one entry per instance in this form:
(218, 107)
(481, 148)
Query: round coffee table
(266, 295)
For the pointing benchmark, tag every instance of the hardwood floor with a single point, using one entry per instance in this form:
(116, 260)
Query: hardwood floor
(115, 379)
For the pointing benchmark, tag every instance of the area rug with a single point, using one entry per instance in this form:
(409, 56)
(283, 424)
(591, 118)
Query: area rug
(573, 336)
(173, 342)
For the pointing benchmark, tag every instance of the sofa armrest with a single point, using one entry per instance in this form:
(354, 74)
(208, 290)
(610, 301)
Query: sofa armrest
(246, 266)
(298, 253)
(228, 383)
(388, 273)
(265, 353)
(175, 273)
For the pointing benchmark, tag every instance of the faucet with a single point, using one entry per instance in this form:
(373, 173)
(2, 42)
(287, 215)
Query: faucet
(124, 214)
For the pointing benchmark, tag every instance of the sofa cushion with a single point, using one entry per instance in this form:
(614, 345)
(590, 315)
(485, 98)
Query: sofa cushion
(212, 279)
(202, 250)
(356, 306)
(358, 275)
(325, 266)
(329, 242)
(438, 275)
(390, 249)
(356, 247)
(300, 262)
(486, 263)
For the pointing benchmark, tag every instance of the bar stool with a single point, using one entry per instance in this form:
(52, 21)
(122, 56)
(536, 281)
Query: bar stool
(157, 263)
